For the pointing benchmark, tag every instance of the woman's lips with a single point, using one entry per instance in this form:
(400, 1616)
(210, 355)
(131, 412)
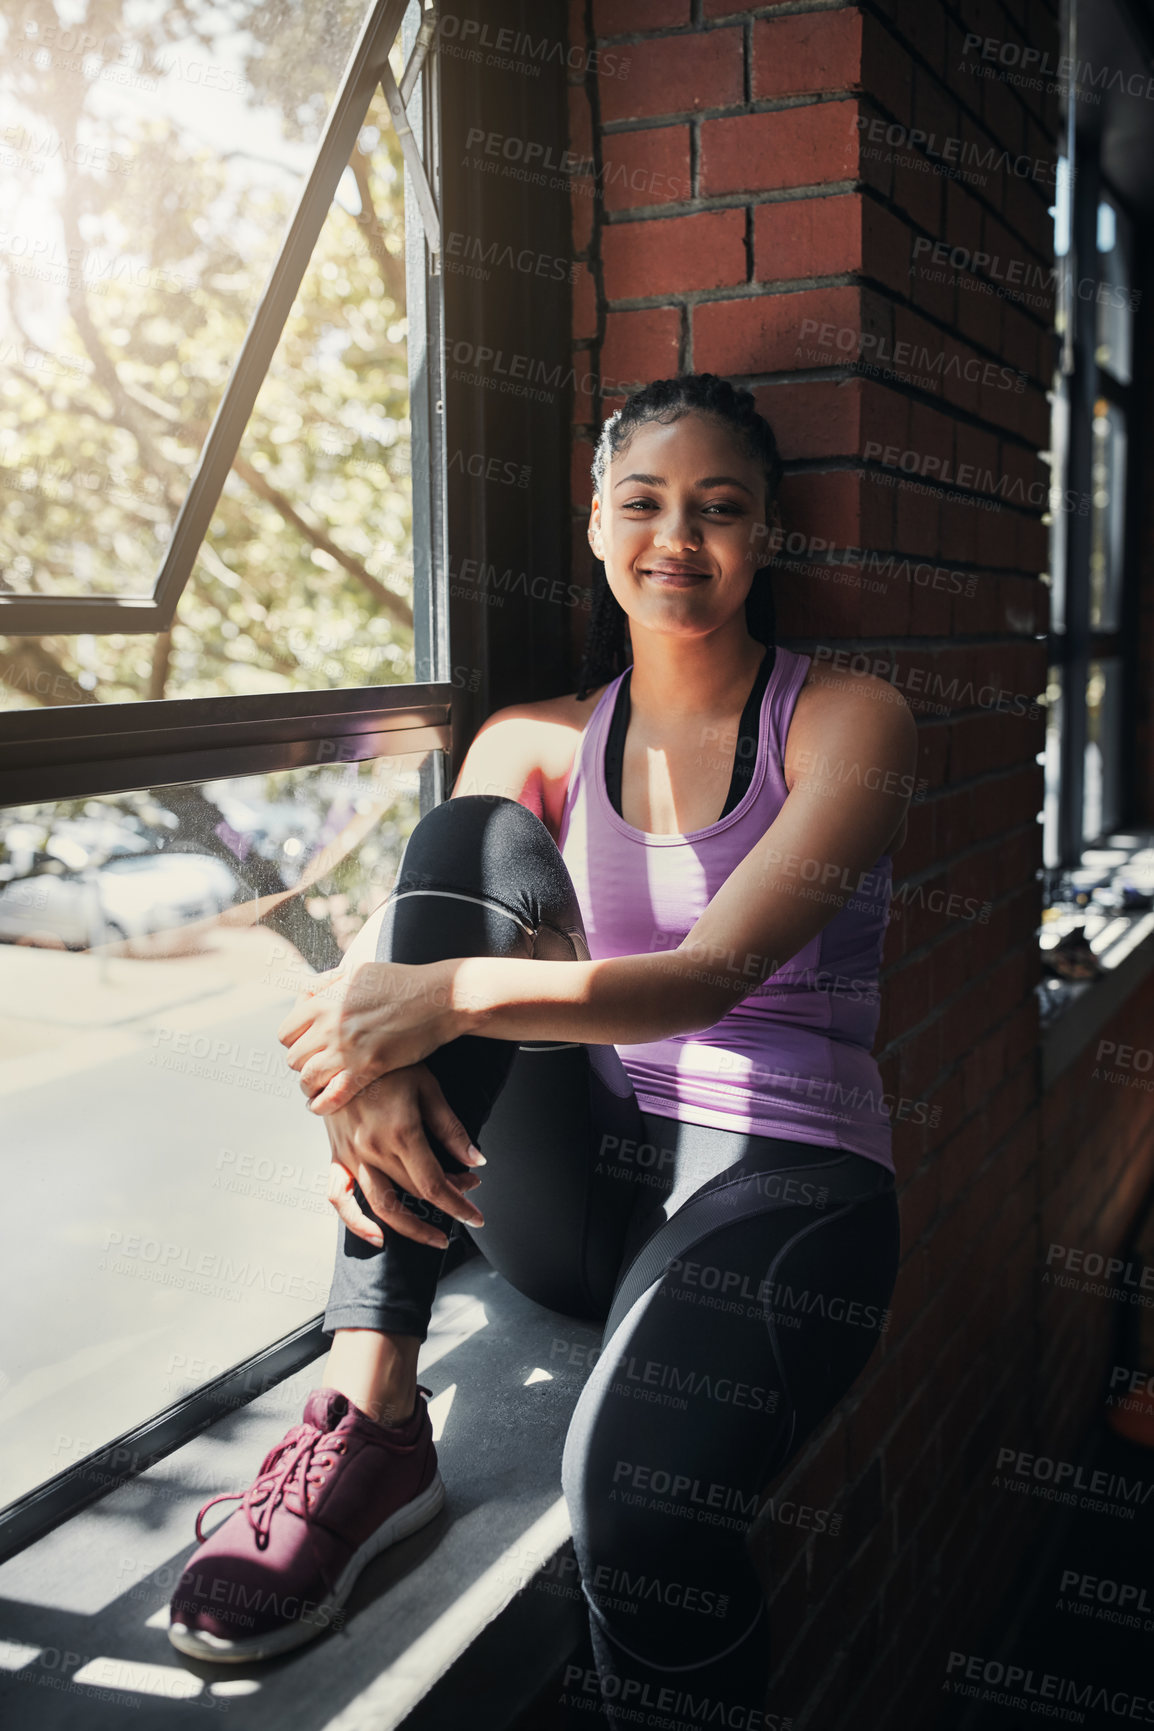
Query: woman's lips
(674, 577)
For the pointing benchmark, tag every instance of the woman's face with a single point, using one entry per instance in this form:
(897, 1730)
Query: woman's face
(681, 526)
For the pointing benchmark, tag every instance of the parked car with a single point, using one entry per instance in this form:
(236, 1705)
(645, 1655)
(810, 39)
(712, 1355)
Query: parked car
(132, 896)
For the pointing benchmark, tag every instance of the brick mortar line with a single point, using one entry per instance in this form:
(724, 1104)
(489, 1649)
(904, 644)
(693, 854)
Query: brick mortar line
(910, 392)
(758, 14)
(843, 375)
(757, 289)
(946, 1074)
(891, 971)
(858, 93)
(734, 110)
(918, 59)
(849, 93)
(703, 204)
(919, 957)
(746, 27)
(942, 1078)
(949, 491)
(987, 779)
(976, 193)
(755, 292)
(954, 15)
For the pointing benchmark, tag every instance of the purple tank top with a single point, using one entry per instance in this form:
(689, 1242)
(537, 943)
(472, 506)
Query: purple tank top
(792, 1058)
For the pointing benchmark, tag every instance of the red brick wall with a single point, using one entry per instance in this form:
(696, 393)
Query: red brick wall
(760, 177)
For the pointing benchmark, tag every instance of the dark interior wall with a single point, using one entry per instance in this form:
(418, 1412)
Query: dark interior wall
(507, 316)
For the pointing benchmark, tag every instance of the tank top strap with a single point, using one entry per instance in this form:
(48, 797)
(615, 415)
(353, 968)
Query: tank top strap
(785, 683)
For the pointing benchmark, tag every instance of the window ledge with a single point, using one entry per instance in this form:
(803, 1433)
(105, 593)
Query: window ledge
(1090, 1004)
(451, 1603)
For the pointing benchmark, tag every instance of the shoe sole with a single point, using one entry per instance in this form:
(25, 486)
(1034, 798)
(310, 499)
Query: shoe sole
(201, 1644)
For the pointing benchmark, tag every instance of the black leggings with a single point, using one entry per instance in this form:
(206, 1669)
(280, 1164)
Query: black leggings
(732, 1327)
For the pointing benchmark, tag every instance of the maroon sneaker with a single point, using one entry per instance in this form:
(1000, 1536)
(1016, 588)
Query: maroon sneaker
(333, 1493)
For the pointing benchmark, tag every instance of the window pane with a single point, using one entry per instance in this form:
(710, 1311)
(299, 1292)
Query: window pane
(1053, 767)
(1059, 516)
(1062, 210)
(1102, 796)
(152, 169)
(165, 1210)
(305, 577)
(1113, 292)
(1107, 516)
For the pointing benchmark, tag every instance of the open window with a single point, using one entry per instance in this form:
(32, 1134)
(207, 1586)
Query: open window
(1099, 877)
(267, 570)
(223, 666)
(206, 427)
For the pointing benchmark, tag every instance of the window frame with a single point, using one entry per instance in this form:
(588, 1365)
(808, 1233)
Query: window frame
(55, 615)
(1072, 649)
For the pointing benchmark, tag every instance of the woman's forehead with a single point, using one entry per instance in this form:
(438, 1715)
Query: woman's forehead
(691, 430)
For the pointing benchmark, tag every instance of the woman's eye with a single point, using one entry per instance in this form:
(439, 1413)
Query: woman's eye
(724, 507)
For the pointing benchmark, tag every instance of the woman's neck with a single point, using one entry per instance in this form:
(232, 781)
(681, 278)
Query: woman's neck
(692, 678)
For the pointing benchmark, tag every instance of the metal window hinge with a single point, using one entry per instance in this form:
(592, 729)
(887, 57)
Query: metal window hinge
(397, 96)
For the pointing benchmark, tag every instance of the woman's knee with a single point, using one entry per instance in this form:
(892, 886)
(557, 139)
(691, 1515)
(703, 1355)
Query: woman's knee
(474, 824)
(490, 845)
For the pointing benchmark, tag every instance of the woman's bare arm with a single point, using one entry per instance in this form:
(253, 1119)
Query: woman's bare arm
(526, 752)
(850, 766)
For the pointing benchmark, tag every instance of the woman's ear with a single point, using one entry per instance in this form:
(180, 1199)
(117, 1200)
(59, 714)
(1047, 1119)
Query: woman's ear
(593, 532)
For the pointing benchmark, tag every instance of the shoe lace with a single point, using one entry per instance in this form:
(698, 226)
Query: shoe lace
(292, 1470)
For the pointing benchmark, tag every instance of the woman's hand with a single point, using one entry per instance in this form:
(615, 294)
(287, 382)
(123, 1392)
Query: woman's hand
(354, 1025)
(379, 1140)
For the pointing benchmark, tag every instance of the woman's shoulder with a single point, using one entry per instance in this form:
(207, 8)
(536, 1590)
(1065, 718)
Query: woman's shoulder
(546, 719)
(851, 731)
(829, 691)
(526, 751)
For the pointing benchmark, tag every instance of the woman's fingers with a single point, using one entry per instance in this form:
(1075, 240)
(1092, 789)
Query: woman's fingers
(303, 1011)
(344, 1201)
(310, 1044)
(409, 1218)
(386, 1202)
(443, 1121)
(337, 1092)
(426, 1178)
(298, 1020)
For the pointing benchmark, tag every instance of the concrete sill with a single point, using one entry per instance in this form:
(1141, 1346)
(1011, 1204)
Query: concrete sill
(1092, 1003)
(476, 1594)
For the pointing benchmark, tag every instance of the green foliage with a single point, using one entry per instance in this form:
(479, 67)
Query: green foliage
(115, 367)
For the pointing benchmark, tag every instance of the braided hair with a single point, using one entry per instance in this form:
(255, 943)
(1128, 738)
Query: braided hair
(607, 647)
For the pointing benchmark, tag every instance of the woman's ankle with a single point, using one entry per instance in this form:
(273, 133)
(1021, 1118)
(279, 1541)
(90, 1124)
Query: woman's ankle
(377, 1372)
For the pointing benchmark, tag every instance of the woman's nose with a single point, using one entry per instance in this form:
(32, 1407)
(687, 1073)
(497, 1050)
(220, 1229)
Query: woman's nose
(677, 531)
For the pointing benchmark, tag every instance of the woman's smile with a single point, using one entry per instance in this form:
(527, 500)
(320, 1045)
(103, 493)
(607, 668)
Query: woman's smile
(674, 576)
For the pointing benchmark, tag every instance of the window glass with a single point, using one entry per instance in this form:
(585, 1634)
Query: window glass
(136, 247)
(304, 580)
(1062, 211)
(1101, 806)
(1113, 292)
(1107, 515)
(1059, 517)
(166, 1211)
(1052, 760)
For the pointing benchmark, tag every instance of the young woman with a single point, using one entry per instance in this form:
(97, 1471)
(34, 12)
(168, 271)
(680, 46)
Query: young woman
(640, 946)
